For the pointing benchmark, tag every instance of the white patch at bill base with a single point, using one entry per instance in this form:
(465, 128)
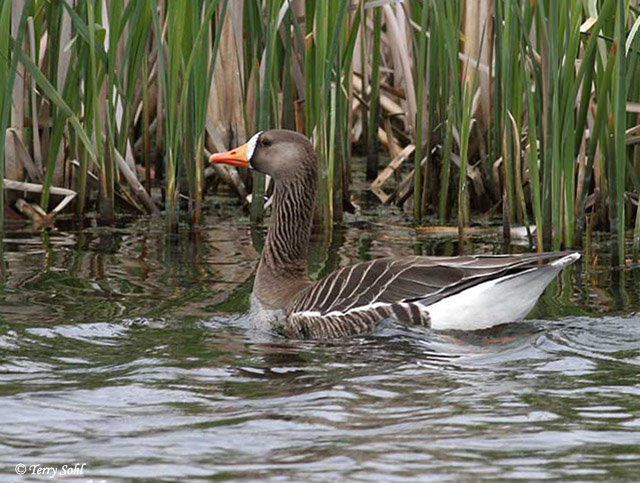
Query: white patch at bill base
(251, 145)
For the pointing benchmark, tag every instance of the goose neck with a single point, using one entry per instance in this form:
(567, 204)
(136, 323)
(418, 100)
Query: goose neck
(282, 271)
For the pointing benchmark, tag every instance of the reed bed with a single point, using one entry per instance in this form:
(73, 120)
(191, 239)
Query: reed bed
(528, 109)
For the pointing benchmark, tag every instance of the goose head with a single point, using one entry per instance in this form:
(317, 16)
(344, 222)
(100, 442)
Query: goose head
(284, 155)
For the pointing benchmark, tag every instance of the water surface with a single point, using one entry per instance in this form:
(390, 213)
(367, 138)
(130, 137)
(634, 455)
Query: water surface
(131, 351)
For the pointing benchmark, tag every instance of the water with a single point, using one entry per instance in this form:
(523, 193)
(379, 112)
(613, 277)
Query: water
(131, 352)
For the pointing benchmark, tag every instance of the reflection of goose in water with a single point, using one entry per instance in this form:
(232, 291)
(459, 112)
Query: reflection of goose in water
(465, 293)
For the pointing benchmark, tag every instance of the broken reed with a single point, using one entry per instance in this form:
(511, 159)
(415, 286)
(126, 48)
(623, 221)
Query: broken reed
(540, 115)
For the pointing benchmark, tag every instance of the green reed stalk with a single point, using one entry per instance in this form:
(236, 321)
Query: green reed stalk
(433, 86)
(331, 153)
(495, 135)
(82, 174)
(618, 163)
(332, 82)
(521, 207)
(193, 100)
(532, 159)
(146, 135)
(636, 235)
(344, 64)
(64, 114)
(54, 21)
(196, 38)
(507, 63)
(420, 80)
(338, 130)
(56, 99)
(636, 167)
(602, 84)
(374, 98)
(447, 17)
(338, 126)
(315, 115)
(569, 85)
(545, 87)
(92, 62)
(176, 26)
(137, 16)
(108, 203)
(555, 124)
(288, 107)
(5, 58)
(263, 105)
(328, 21)
(465, 129)
(554, 162)
(446, 164)
(204, 90)
(95, 90)
(7, 80)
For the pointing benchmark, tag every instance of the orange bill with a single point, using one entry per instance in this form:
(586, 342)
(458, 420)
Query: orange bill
(236, 157)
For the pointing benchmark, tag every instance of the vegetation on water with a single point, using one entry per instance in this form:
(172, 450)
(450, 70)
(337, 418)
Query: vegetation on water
(536, 101)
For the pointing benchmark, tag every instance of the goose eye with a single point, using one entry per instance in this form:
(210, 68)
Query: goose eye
(265, 142)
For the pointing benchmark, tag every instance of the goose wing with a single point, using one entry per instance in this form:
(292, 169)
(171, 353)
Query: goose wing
(352, 299)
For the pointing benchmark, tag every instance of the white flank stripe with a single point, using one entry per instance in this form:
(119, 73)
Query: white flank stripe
(362, 308)
(338, 313)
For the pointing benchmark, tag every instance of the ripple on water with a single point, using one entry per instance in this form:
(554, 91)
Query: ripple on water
(133, 352)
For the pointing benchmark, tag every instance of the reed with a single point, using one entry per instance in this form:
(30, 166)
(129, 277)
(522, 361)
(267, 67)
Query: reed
(420, 114)
(547, 130)
(618, 164)
(265, 98)
(374, 98)
(7, 79)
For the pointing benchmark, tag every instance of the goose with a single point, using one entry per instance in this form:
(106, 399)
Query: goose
(440, 293)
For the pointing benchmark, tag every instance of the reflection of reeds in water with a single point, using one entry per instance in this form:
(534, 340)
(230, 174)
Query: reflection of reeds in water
(136, 271)
(534, 101)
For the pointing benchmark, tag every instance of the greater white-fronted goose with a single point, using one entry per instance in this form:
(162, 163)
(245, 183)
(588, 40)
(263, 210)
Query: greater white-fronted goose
(466, 293)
